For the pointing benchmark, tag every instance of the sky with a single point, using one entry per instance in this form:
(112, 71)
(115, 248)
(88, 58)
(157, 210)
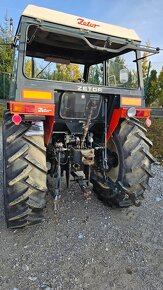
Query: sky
(144, 16)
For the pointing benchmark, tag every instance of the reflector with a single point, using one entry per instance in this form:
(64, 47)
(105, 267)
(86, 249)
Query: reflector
(16, 119)
(148, 122)
(39, 95)
(127, 101)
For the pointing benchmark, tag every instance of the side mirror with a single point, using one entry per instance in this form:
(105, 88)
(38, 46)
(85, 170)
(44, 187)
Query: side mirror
(123, 75)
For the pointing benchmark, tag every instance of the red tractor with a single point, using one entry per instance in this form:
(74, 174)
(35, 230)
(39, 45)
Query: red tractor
(76, 99)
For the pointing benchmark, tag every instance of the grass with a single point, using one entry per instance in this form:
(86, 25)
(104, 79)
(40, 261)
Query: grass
(154, 133)
(2, 107)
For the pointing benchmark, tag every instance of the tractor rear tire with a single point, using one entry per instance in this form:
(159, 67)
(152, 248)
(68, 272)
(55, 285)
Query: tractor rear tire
(24, 174)
(131, 145)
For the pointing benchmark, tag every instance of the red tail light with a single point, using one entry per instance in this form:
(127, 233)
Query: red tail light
(143, 113)
(29, 108)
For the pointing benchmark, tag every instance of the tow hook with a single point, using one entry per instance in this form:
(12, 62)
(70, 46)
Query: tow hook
(130, 195)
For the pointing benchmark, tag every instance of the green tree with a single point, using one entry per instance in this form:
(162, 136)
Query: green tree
(153, 90)
(6, 55)
(160, 84)
(28, 67)
(160, 100)
(145, 62)
(69, 72)
(95, 74)
(160, 79)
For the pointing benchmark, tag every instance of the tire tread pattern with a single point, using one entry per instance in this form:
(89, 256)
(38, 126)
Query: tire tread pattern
(135, 161)
(24, 174)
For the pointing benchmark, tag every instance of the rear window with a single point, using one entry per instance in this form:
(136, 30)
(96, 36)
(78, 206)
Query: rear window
(50, 70)
(79, 105)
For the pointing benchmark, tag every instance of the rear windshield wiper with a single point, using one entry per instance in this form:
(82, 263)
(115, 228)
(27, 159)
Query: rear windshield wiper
(43, 69)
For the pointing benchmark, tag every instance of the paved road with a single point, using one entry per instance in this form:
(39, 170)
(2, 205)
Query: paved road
(88, 246)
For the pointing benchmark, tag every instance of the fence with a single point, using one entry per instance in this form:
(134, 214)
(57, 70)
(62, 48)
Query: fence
(4, 85)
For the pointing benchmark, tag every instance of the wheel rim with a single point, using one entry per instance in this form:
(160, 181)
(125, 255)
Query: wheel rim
(114, 172)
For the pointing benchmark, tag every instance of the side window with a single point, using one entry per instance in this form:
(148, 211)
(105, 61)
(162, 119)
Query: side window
(122, 71)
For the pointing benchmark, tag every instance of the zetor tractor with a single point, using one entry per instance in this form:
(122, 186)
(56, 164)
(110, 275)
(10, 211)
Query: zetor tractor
(76, 98)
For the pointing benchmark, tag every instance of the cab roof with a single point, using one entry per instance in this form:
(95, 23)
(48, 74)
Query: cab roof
(79, 22)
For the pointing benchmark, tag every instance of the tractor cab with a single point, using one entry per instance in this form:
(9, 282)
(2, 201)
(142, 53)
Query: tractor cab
(65, 52)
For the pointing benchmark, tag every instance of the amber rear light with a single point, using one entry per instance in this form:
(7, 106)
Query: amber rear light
(23, 108)
(17, 108)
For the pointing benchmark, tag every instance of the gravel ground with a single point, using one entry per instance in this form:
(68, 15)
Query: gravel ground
(87, 246)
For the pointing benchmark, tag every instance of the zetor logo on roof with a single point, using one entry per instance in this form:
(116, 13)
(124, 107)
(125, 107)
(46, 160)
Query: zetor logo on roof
(81, 21)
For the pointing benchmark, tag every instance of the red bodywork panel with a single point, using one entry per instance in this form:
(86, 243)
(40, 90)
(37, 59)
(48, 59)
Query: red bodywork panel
(48, 129)
(36, 109)
(121, 113)
(48, 111)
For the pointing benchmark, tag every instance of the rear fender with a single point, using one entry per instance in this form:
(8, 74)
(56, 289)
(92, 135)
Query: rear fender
(121, 113)
(36, 112)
